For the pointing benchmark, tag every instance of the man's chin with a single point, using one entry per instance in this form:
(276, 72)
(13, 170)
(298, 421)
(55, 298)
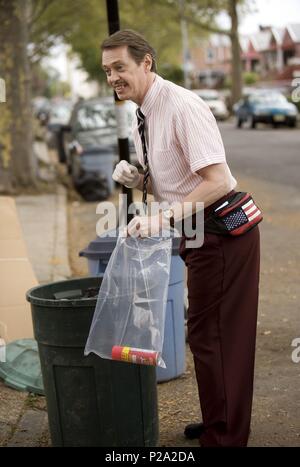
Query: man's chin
(122, 96)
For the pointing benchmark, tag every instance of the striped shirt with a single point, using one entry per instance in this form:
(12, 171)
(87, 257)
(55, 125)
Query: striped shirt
(182, 137)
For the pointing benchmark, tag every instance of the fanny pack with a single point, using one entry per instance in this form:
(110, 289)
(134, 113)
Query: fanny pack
(236, 216)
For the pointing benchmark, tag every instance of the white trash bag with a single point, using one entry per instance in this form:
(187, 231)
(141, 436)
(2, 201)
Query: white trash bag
(129, 318)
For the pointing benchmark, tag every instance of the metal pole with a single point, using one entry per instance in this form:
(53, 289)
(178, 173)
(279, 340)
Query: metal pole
(185, 46)
(113, 16)
(121, 114)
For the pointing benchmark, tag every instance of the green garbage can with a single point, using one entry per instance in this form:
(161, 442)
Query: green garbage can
(91, 401)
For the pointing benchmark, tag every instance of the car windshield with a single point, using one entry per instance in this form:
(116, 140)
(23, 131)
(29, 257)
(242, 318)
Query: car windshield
(97, 116)
(60, 113)
(268, 99)
(101, 116)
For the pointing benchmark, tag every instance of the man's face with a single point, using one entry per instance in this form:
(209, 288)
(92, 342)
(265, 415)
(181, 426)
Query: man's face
(128, 79)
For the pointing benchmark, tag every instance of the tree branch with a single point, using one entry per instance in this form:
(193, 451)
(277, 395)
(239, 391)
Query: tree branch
(39, 12)
(209, 9)
(207, 27)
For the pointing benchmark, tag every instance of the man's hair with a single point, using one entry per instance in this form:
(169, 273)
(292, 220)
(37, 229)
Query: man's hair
(138, 47)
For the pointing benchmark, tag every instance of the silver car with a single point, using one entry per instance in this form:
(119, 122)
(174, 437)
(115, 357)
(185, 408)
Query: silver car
(214, 101)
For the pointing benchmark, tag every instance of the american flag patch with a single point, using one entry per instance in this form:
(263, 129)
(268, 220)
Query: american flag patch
(242, 218)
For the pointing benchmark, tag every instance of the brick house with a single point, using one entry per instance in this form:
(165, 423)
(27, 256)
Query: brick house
(211, 59)
(253, 57)
(273, 53)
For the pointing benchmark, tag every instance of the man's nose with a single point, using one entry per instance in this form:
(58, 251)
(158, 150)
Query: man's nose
(114, 76)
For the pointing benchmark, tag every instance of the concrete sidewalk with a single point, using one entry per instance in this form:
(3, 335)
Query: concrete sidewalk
(43, 218)
(44, 223)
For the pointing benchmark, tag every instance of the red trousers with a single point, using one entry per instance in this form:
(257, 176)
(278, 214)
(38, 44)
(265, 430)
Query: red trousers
(223, 278)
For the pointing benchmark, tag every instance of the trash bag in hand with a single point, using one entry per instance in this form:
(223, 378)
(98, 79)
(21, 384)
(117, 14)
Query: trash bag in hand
(129, 318)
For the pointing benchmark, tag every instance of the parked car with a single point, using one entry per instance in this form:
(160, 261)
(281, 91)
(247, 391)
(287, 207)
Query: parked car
(93, 125)
(90, 145)
(265, 107)
(215, 102)
(60, 111)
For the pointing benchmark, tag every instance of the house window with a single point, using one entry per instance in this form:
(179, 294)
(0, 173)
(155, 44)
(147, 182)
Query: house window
(210, 55)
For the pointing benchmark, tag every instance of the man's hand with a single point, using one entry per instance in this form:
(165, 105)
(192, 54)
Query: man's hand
(147, 226)
(126, 174)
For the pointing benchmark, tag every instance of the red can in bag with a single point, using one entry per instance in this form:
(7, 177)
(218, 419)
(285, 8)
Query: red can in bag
(132, 355)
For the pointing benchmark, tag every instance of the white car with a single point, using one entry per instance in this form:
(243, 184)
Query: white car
(215, 102)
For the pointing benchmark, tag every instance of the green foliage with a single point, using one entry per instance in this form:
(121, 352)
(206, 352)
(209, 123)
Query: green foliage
(83, 25)
(46, 82)
(250, 77)
(172, 73)
(54, 20)
(158, 23)
(58, 88)
(228, 82)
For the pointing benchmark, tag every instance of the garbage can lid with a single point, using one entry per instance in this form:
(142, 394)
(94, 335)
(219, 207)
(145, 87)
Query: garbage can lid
(71, 293)
(103, 246)
(21, 368)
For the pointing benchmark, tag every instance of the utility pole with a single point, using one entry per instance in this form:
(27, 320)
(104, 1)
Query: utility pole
(185, 46)
(120, 106)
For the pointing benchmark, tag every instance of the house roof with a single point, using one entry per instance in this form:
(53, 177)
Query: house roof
(260, 40)
(278, 34)
(294, 31)
(244, 43)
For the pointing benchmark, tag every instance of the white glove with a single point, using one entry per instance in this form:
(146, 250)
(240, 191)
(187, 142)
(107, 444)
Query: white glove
(126, 174)
(147, 226)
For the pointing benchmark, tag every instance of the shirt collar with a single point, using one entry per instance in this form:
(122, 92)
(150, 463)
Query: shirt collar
(151, 95)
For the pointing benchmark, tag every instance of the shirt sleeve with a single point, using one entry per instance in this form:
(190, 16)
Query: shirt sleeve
(198, 135)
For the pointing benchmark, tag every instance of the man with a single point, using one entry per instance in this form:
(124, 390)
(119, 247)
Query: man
(180, 147)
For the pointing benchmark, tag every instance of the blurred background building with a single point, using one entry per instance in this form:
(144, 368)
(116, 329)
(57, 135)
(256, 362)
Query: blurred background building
(272, 53)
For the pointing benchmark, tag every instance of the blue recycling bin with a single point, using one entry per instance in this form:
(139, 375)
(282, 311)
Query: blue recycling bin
(100, 160)
(98, 253)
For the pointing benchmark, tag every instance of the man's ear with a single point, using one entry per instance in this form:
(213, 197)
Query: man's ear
(148, 62)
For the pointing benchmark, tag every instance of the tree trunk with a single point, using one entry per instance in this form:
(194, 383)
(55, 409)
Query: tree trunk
(16, 155)
(236, 63)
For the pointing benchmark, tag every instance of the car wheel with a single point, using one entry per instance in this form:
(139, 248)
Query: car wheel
(239, 123)
(292, 124)
(253, 122)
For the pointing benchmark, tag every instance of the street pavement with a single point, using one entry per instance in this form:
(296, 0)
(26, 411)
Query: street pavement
(43, 220)
(264, 153)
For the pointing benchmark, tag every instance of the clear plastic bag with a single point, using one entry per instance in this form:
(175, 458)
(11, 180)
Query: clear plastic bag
(129, 318)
